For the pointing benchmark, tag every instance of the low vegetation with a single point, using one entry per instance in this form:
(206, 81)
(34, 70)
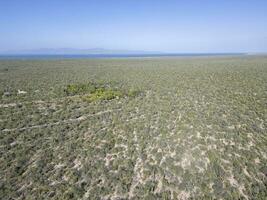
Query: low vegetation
(76, 89)
(103, 94)
(168, 128)
(98, 92)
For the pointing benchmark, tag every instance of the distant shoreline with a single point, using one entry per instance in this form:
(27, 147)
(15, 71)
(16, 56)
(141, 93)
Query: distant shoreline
(85, 56)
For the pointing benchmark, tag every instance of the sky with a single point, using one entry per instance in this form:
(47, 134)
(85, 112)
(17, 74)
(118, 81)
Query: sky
(175, 26)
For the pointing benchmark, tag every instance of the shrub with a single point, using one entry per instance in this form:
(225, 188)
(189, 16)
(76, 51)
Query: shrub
(98, 91)
(103, 94)
(133, 93)
(80, 88)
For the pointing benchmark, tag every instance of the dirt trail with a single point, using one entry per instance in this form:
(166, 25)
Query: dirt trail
(8, 105)
(66, 121)
(55, 100)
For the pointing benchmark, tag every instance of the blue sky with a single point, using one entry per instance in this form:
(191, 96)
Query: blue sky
(160, 25)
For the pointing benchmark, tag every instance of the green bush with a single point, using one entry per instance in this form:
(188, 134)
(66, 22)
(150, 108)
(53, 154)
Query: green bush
(98, 91)
(133, 93)
(103, 94)
(75, 89)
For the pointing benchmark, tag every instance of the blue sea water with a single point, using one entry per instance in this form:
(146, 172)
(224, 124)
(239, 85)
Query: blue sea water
(91, 56)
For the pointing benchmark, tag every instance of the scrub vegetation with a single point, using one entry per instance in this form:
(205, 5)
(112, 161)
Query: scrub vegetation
(161, 128)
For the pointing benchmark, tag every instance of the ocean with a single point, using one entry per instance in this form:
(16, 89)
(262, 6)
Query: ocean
(91, 56)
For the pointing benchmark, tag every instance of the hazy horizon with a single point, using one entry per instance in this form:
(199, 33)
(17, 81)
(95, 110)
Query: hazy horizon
(88, 51)
(168, 27)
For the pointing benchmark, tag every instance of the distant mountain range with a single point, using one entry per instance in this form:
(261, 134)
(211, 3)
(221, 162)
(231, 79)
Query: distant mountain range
(73, 51)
